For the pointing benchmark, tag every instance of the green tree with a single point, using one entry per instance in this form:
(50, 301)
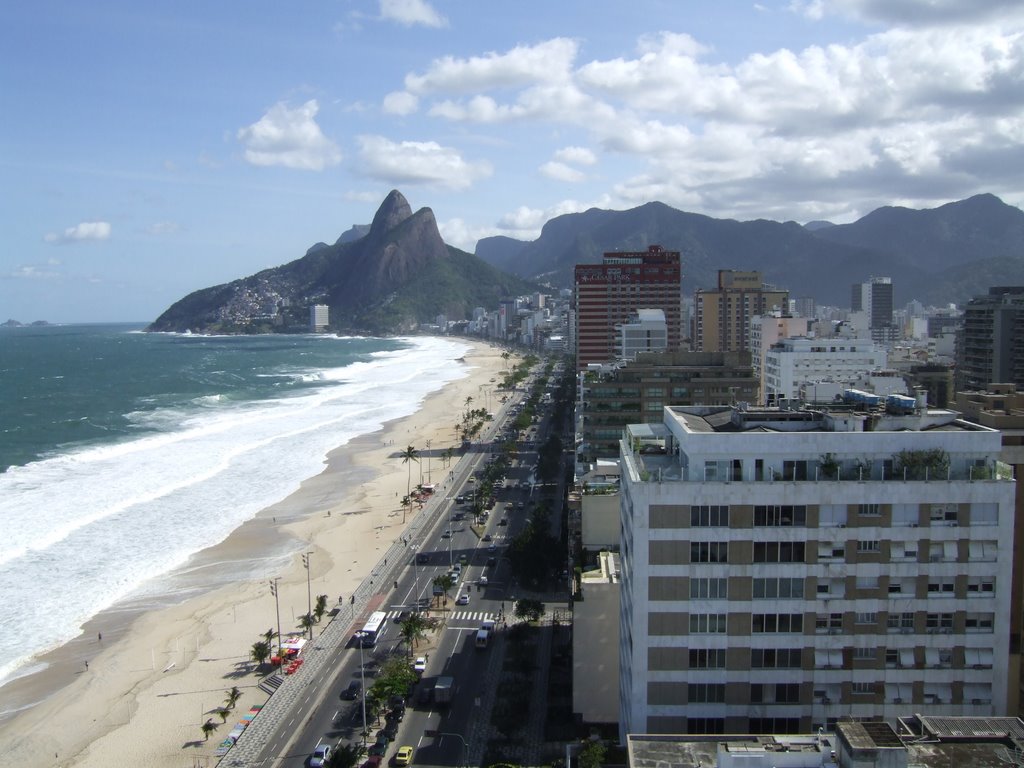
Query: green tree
(321, 607)
(409, 455)
(232, 697)
(345, 756)
(260, 652)
(306, 621)
(223, 712)
(208, 727)
(445, 581)
(395, 678)
(592, 754)
(413, 629)
(529, 610)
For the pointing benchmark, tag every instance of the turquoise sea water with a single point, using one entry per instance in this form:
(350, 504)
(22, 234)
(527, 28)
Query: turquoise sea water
(123, 453)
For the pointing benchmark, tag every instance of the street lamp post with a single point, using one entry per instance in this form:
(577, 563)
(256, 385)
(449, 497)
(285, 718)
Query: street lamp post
(309, 594)
(362, 686)
(277, 605)
(428, 461)
(465, 747)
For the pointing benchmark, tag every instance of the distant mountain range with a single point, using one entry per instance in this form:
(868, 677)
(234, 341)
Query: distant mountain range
(397, 273)
(387, 277)
(941, 255)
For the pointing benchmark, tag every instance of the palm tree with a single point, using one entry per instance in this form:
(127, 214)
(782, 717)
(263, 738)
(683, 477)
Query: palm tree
(406, 506)
(306, 621)
(505, 356)
(208, 727)
(409, 455)
(321, 607)
(345, 756)
(413, 630)
(223, 712)
(445, 581)
(260, 652)
(232, 697)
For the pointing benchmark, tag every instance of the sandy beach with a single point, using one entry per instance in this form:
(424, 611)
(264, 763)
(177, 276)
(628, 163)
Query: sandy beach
(140, 681)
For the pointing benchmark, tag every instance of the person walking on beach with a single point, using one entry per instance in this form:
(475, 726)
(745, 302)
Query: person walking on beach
(87, 666)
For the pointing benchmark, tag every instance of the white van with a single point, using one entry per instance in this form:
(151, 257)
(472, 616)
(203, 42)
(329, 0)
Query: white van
(482, 638)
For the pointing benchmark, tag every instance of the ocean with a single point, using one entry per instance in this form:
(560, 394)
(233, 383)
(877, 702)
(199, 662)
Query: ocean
(123, 453)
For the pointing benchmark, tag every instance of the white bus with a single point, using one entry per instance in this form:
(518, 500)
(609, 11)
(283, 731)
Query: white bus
(368, 635)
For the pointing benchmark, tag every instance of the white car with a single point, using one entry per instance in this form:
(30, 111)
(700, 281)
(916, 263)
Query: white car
(319, 757)
(462, 599)
(420, 665)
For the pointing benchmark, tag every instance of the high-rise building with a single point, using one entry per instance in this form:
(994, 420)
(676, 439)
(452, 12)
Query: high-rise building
(722, 316)
(318, 317)
(990, 344)
(875, 299)
(645, 331)
(766, 330)
(606, 294)
(638, 391)
(785, 568)
(793, 364)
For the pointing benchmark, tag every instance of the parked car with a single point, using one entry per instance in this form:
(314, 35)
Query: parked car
(352, 692)
(420, 665)
(390, 730)
(320, 755)
(379, 747)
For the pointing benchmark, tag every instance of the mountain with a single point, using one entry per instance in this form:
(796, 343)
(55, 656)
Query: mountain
(400, 273)
(938, 256)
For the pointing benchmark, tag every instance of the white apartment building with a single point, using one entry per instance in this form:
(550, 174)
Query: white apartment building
(782, 569)
(646, 331)
(797, 363)
(766, 330)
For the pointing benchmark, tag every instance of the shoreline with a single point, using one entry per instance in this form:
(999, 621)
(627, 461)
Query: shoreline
(161, 669)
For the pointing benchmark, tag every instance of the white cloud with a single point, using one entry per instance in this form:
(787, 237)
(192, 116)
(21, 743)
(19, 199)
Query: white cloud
(411, 12)
(422, 162)
(918, 12)
(400, 103)
(576, 156)
(520, 67)
(525, 223)
(290, 138)
(30, 272)
(163, 228)
(561, 172)
(87, 230)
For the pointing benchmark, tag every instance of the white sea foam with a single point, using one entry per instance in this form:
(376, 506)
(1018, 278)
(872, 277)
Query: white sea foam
(87, 528)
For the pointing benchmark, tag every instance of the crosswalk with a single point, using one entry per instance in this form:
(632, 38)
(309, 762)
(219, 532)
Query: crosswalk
(476, 616)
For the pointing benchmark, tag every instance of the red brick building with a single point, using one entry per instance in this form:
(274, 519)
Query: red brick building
(606, 294)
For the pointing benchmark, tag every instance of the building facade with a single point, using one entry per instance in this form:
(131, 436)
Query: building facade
(722, 316)
(782, 569)
(990, 344)
(766, 330)
(646, 331)
(606, 294)
(792, 365)
(876, 300)
(319, 317)
(638, 391)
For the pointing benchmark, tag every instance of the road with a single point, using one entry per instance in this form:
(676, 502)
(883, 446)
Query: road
(439, 734)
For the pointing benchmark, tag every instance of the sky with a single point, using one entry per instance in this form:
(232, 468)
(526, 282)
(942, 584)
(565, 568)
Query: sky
(151, 149)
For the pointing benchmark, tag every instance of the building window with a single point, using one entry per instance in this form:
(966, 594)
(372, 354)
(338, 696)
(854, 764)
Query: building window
(780, 515)
(862, 689)
(864, 654)
(867, 618)
(829, 622)
(712, 516)
(707, 623)
(868, 546)
(981, 586)
(869, 510)
(775, 658)
(708, 725)
(779, 552)
(705, 693)
(709, 589)
(900, 622)
(707, 658)
(979, 622)
(782, 623)
(937, 588)
(939, 622)
(775, 693)
(709, 551)
(892, 657)
(780, 725)
(771, 589)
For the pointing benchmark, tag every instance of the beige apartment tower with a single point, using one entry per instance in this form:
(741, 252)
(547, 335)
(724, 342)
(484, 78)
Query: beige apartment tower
(722, 316)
